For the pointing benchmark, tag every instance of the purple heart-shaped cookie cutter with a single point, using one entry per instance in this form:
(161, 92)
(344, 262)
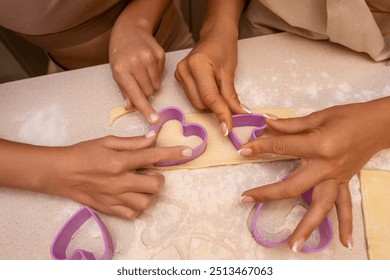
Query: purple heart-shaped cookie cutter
(189, 129)
(65, 234)
(325, 228)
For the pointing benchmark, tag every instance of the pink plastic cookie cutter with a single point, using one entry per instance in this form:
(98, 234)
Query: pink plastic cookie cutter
(325, 228)
(69, 229)
(189, 129)
(255, 120)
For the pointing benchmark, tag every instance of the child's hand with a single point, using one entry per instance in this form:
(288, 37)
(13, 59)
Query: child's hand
(333, 144)
(137, 63)
(103, 173)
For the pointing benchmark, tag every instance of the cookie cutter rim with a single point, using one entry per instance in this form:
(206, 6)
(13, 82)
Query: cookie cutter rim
(189, 129)
(325, 230)
(67, 231)
(256, 120)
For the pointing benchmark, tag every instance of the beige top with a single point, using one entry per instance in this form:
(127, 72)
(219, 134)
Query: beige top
(76, 33)
(363, 26)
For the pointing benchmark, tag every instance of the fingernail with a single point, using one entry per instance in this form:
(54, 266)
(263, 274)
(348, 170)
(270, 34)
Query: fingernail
(150, 173)
(350, 243)
(246, 109)
(187, 152)
(224, 129)
(150, 134)
(297, 247)
(270, 116)
(127, 103)
(246, 199)
(153, 118)
(245, 152)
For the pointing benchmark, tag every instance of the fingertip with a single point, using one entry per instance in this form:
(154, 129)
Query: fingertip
(153, 118)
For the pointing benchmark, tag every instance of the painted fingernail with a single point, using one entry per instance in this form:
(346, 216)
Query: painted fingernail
(297, 247)
(224, 129)
(153, 117)
(270, 116)
(127, 103)
(187, 152)
(246, 199)
(245, 152)
(350, 243)
(246, 109)
(150, 134)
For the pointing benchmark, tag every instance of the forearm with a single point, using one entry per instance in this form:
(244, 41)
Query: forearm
(26, 166)
(222, 18)
(145, 14)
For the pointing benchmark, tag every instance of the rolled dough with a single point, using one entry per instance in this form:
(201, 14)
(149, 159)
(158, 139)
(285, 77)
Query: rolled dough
(219, 151)
(375, 188)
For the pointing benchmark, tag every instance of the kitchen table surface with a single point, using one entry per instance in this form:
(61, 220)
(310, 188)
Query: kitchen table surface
(197, 215)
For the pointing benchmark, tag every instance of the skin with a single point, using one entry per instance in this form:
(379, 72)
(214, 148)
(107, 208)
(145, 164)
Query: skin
(333, 145)
(207, 72)
(101, 173)
(136, 59)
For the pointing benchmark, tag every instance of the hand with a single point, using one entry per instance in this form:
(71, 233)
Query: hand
(333, 144)
(137, 63)
(104, 173)
(207, 77)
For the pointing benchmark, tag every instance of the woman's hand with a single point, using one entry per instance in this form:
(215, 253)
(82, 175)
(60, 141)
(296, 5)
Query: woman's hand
(104, 173)
(207, 77)
(207, 72)
(333, 144)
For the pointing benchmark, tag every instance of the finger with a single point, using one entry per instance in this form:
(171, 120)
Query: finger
(184, 77)
(149, 183)
(138, 201)
(293, 145)
(296, 184)
(209, 92)
(129, 143)
(134, 92)
(146, 157)
(294, 125)
(155, 70)
(228, 92)
(144, 81)
(123, 212)
(324, 196)
(344, 215)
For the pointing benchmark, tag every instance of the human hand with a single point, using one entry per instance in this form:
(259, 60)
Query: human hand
(333, 144)
(104, 173)
(137, 63)
(207, 77)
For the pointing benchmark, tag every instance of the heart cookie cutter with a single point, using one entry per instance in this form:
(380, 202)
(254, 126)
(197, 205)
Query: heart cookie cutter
(189, 129)
(65, 234)
(255, 120)
(325, 228)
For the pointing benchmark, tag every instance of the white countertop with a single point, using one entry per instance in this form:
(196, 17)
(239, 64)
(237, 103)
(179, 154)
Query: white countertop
(197, 215)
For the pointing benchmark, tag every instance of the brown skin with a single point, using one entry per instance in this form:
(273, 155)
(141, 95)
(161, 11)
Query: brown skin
(333, 144)
(101, 173)
(207, 72)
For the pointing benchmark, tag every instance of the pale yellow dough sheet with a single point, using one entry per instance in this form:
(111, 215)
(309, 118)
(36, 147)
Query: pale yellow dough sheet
(219, 151)
(375, 188)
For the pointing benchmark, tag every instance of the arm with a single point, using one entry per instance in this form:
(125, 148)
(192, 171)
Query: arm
(333, 144)
(207, 73)
(136, 59)
(100, 173)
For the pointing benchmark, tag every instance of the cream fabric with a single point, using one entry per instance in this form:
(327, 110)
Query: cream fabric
(363, 26)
